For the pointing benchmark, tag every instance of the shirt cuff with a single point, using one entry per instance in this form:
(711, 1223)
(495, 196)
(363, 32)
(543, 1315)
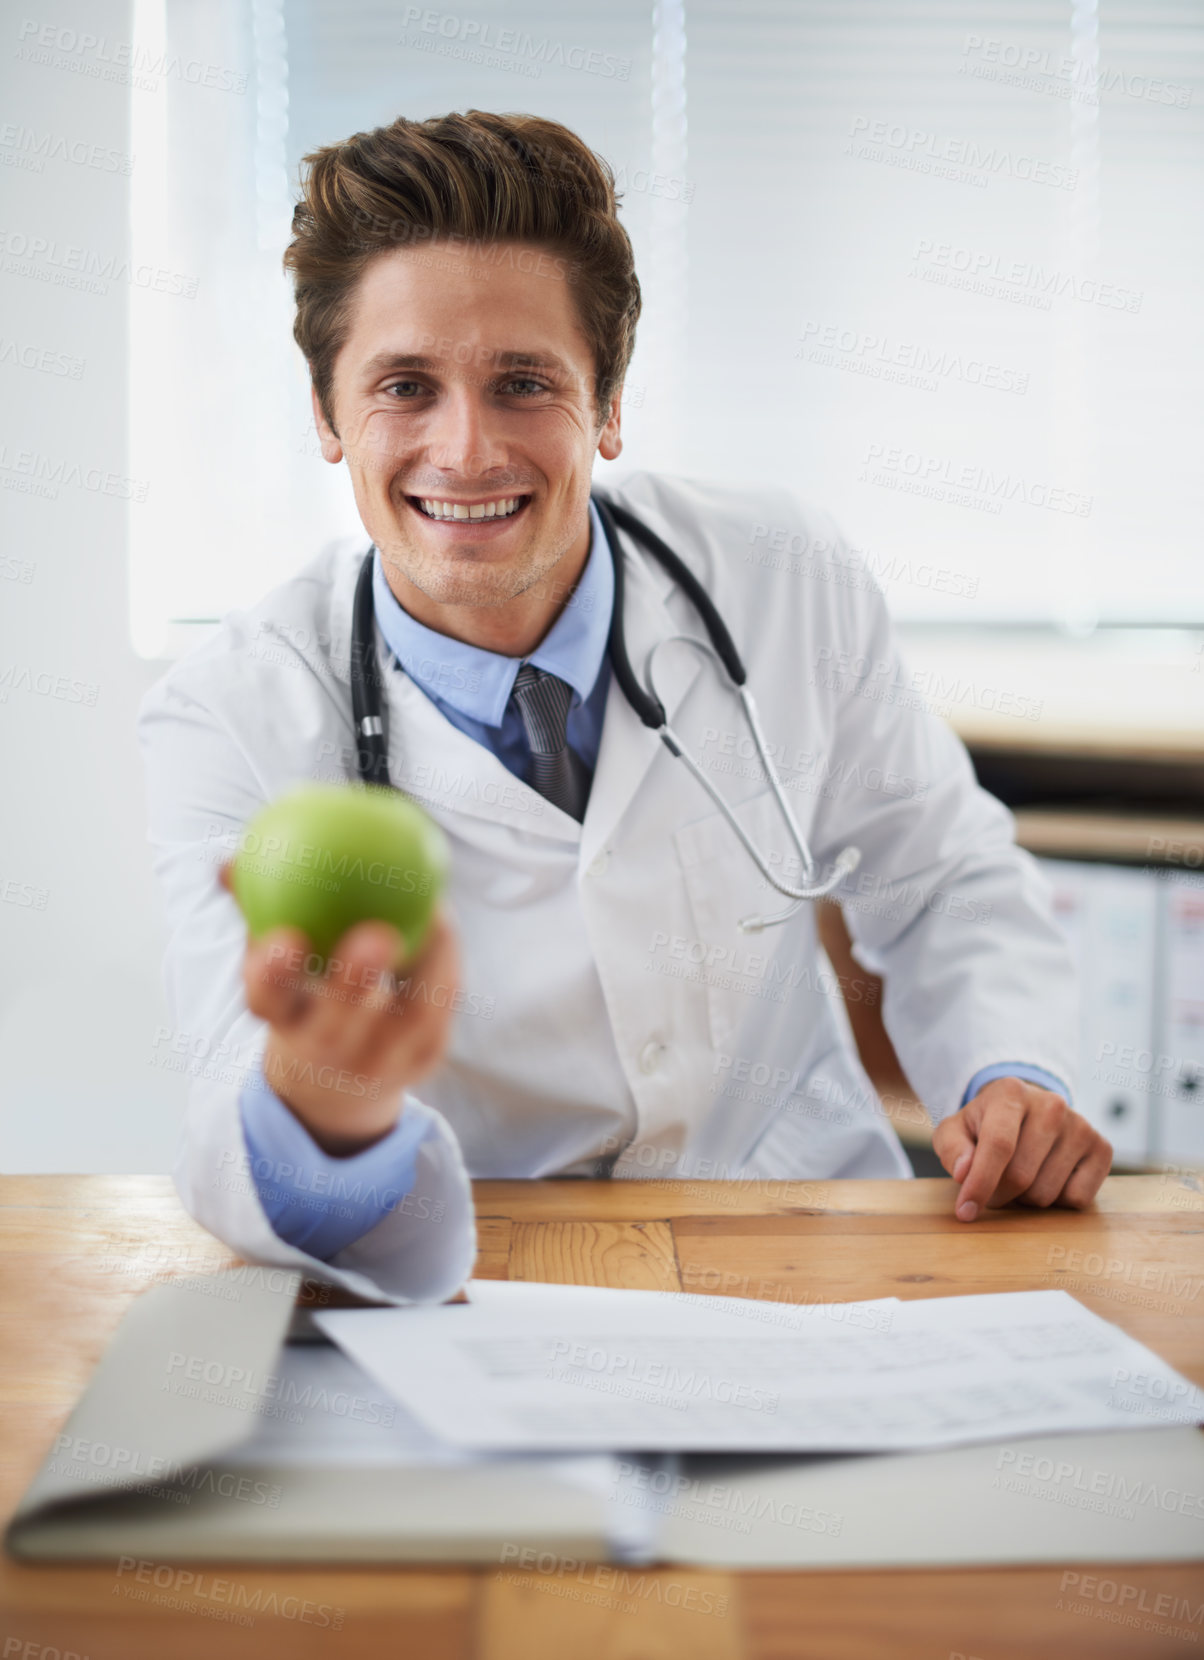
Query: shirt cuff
(1016, 1069)
(315, 1202)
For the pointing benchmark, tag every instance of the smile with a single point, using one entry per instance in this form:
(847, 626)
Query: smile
(502, 507)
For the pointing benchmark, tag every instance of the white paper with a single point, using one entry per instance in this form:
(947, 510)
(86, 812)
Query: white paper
(528, 1367)
(324, 1411)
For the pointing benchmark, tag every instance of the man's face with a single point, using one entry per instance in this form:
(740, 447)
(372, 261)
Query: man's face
(465, 388)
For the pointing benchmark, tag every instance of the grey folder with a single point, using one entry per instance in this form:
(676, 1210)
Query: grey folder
(207, 1435)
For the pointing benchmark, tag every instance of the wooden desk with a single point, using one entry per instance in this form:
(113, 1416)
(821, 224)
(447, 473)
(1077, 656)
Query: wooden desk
(78, 1249)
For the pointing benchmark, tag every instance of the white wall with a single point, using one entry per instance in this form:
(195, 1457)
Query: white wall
(80, 995)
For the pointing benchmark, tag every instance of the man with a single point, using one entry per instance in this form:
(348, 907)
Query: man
(467, 303)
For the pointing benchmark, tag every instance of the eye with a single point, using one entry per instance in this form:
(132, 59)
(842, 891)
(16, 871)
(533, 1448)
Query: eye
(524, 386)
(406, 388)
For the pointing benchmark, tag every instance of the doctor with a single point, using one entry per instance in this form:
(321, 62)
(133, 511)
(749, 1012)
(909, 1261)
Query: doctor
(589, 1002)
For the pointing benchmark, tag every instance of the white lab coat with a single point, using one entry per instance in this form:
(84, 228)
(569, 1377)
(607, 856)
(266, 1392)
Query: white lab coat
(608, 997)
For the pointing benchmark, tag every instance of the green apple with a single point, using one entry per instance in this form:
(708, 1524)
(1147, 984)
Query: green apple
(326, 856)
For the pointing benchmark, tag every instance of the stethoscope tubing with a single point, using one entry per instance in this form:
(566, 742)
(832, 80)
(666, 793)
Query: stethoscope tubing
(367, 697)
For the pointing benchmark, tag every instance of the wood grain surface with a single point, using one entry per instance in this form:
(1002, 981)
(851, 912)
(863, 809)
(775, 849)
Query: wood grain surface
(76, 1250)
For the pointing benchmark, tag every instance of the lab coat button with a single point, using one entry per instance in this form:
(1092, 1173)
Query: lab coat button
(650, 1057)
(597, 865)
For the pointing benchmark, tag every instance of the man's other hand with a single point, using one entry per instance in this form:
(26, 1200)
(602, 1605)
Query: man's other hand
(1017, 1141)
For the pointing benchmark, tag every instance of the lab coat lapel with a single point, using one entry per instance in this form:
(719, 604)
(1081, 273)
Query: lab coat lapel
(445, 769)
(628, 747)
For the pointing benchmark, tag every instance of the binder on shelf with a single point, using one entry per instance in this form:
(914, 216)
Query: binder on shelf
(1180, 1050)
(1109, 914)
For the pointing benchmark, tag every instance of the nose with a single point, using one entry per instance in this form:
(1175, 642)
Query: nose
(464, 438)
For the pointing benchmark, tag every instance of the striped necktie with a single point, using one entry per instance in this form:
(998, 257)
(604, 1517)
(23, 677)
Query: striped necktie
(556, 771)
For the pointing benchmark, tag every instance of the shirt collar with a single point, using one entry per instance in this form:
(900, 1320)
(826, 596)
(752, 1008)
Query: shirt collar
(477, 682)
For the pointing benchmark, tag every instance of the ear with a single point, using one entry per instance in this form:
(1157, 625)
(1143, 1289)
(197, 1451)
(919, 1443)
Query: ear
(610, 440)
(332, 449)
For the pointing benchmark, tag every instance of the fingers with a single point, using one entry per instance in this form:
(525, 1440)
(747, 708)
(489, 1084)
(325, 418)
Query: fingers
(1047, 1150)
(997, 1137)
(953, 1144)
(274, 977)
(1088, 1176)
(347, 1002)
(358, 1016)
(1018, 1141)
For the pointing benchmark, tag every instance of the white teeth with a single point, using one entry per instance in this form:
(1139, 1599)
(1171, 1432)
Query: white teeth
(478, 510)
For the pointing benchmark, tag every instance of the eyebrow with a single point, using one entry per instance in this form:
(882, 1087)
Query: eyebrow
(385, 362)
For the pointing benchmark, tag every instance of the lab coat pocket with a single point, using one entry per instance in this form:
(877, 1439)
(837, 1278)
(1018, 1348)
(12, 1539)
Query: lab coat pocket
(744, 974)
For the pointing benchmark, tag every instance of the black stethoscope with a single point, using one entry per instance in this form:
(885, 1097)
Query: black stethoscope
(368, 699)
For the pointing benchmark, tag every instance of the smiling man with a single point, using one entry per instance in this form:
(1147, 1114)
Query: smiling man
(470, 462)
(604, 995)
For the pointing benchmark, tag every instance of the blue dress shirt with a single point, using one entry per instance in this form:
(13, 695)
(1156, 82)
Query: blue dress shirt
(472, 686)
(322, 1204)
(313, 1201)
(1016, 1069)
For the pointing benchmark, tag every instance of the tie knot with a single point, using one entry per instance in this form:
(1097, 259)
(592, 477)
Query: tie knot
(543, 701)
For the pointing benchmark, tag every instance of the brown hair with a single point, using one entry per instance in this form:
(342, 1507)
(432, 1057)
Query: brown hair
(490, 178)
